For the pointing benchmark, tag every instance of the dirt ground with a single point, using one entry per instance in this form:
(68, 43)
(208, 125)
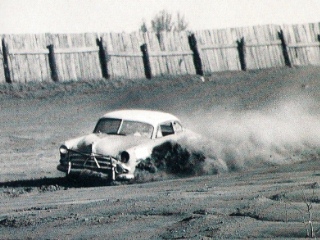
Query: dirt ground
(261, 176)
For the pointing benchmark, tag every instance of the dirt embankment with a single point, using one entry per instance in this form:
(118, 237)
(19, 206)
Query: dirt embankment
(260, 175)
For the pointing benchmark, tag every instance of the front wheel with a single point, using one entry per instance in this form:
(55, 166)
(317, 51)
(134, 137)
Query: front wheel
(72, 177)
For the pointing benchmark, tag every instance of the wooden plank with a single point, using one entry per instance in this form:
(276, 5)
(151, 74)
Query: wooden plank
(187, 60)
(229, 52)
(126, 60)
(264, 44)
(262, 49)
(76, 49)
(256, 57)
(177, 59)
(219, 52)
(33, 65)
(212, 67)
(96, 58)
(272, 58)
(174, 38)
(74, 58)
(124, 68)
(11, 60)
(78, 69)
(223, 51)
(157, 67)
(132, 62)
(19, 67)
(269, 49)
(303, 45)
(223, 54)
(314, 28)
(184, 62)
(215, 35)
(117, 63)
(43, 59)
(127, 47)
(210, 53)
(60, 60)
(233, 37)
(159, 46)
(287, 32)
(20, 61)
(299, 51)
(95, 72)
(165, 47)
(28, 51)
(85, 58)
(106, 38)
(123, 61)
(255, 35)
(218, 46)
(2, 75)
(137, 41)
(169, 60)
(170, 53)
(213, 54)
(128, 54)
(312, 36)
(170, 69)
(233, 62)
(82, 63)
(203, 54)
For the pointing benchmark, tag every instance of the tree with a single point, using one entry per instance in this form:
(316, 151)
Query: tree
(144, 27)
(181, 24)
(164, 22)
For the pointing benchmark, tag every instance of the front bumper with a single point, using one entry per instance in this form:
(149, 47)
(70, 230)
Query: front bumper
(76, 162)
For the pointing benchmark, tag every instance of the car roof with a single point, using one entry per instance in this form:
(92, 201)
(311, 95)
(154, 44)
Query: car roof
(148, 116)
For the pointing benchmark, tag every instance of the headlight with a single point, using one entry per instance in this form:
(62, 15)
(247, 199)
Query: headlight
(63, 149)
(125, 157)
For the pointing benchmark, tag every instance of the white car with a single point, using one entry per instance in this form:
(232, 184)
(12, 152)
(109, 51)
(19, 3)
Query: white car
(120, 140)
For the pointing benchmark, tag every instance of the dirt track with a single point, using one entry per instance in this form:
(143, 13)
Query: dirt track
(263, 129)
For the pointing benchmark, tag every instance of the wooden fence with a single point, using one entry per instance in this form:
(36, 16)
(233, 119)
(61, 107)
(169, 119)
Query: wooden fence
(65, 57)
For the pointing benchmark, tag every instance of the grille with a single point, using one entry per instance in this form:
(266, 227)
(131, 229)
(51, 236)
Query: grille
(90, 161)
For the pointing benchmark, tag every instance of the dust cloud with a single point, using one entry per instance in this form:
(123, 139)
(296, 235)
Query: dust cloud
(281, 133)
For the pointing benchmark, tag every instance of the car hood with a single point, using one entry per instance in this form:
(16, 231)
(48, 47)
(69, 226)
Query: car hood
(104, 144)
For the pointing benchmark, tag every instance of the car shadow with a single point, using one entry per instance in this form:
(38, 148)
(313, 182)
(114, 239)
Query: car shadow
(58, 182)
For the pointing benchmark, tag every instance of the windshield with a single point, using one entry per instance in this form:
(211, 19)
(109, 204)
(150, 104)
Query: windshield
(125, 127)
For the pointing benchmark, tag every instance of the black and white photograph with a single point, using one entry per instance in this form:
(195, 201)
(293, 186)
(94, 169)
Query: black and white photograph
(160, 119)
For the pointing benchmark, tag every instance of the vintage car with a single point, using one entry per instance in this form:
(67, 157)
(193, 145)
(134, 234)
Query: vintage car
(120, 140)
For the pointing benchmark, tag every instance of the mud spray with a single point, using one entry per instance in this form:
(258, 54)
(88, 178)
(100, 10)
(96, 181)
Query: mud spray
(280, 133)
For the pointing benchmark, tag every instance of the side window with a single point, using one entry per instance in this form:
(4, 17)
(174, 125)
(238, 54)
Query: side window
(177, 127)
(166, 129)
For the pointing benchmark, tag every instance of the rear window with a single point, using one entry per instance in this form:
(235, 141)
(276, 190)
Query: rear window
(166, 129)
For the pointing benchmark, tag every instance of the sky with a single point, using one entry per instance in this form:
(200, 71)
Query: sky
(80, 16)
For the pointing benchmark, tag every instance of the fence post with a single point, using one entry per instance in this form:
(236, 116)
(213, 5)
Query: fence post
(53, 64)
(196, 55)
(318, 36)
(103, 59)
(146, 61)
(6, 62)
(284, 49)
(242, 53)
